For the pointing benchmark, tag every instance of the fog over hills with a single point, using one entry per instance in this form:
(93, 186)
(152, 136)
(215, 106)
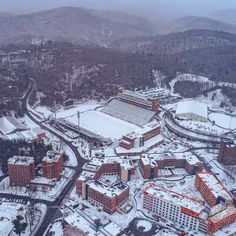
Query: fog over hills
(72, 24)
(227, 15)
(192, 23)
(153, 9)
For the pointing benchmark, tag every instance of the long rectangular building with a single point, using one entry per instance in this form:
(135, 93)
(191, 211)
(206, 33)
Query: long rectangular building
(186, 211)
(175, 207)
(211, 189)
(150, 164)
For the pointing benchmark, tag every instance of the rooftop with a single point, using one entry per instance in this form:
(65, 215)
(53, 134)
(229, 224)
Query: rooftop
(148, 161)
(21, 160)
(52, 156)
(10, 125)
(176, 198)
(192, 107)
(214, 185)
(223, 214)
(109, 190)
(147, 128)
(148, 145)
(95, 163)
(191, 159)
(85, 175)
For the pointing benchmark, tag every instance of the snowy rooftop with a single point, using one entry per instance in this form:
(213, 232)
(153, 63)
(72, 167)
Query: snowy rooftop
(223, 214)
(95, 163)
(39, 180)
(79, 222)
(85, 175)
(21, 160)
(10, 124)
(148, 161)
(176, 198)
(189, 157)
(192, 107)
(147, 128)
(108, 190)
(148, 145)
(216, 187)
(52, 157)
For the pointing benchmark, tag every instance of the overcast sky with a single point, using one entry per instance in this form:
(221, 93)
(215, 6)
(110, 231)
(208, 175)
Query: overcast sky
(150, 8)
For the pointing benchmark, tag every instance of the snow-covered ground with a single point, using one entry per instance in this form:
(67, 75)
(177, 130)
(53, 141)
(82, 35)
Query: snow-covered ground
(225, 121)
(81, 107)
(204, 127)
(103, 124)
(46, 194)
(145, 224)
(57, 229)
(9, 211)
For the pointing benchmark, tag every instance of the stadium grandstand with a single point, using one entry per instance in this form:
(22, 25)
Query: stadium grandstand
(141, 100)
(128, 112)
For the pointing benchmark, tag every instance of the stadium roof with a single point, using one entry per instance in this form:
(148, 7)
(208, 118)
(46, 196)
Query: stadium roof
(128, 112)
(193, 107)
(10, 125)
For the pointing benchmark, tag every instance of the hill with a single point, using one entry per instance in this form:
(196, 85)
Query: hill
(176, 42)
(71, 24)
(194, 23)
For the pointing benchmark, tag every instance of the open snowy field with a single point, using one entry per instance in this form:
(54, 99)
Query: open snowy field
(64, 113)
(103, 124)
(225, 121)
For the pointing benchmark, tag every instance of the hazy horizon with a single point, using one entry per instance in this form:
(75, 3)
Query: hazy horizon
(147, 8)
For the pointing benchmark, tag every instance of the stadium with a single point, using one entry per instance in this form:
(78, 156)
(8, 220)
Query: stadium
(121, 116)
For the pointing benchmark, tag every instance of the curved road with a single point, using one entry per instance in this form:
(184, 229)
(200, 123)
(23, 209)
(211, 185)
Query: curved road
(52, 206)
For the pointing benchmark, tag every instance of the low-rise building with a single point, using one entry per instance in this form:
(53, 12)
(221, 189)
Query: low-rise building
(139, 141)
(151, 163)
(224, 216)
(138, 138)
(21, 170)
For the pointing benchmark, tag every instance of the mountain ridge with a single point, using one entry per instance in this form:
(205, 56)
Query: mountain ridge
(72, 24)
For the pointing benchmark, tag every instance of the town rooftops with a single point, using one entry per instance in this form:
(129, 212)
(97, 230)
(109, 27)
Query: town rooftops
(176, 198)
(21, 160)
